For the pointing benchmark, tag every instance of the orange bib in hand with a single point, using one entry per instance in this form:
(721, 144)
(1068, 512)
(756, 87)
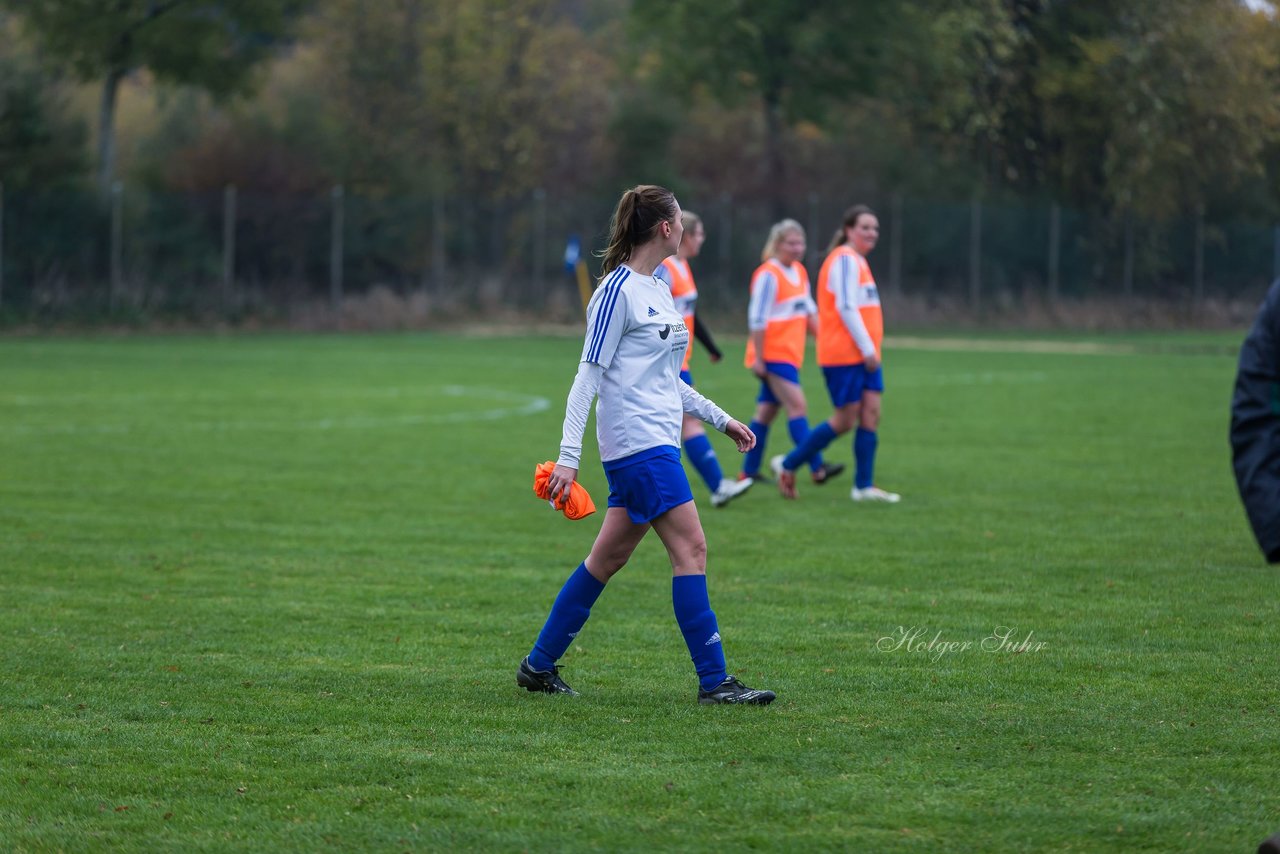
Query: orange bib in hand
(579, 503)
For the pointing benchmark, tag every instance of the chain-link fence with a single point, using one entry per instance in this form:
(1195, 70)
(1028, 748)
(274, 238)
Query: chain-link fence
(234, 253)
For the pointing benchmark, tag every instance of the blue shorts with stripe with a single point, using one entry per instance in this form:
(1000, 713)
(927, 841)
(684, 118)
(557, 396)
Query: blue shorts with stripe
(648, 483)
(687, 377)
(785, 370)
(846, 383)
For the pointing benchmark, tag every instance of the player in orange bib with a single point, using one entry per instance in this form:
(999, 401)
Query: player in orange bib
(780, 315)
(850, 332)
(697, 447)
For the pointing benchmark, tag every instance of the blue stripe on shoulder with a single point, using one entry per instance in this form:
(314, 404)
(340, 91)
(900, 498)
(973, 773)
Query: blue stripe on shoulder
(602, 306)
(603, 317)
(612, 296)
(608, 318)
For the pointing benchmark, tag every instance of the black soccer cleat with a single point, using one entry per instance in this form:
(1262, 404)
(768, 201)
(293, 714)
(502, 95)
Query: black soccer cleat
(546, 681)
(826, 472)
(733, 691)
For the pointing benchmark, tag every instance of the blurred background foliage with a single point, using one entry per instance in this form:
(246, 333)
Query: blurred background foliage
(463, 131)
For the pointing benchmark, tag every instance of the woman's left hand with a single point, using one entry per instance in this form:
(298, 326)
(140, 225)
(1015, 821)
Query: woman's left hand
(741, 435)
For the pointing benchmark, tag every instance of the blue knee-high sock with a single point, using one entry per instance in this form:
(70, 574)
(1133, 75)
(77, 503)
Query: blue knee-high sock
(698, 625)
(703, 457)
(811, 448)
(751, 463)
(799, 428)
(864, 451)
(568, 616)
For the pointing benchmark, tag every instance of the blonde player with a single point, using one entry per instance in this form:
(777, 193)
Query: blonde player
(851, 329)
(779, 317)
(675, 272)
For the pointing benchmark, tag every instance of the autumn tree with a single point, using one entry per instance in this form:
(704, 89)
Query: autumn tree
(490, 98)
(1176, 98)
(42, 143)
(1142, 105)
(795, 59)
(202, 43)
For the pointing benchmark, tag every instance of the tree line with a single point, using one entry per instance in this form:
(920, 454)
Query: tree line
(1148, 109)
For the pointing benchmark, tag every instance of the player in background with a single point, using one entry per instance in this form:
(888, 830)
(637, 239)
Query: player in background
(850, 331)
(779, 316)
(676, 273)
(631, 358)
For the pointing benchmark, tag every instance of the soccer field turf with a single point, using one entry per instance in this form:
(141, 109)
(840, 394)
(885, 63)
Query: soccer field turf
(270, 592)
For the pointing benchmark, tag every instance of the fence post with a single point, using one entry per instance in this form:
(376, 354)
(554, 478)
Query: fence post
(335, 249)
(228, 244)
(539, 247)
(1198, 285)
(1, 244)
(1128, 255)
(438, 270)
(975, 255)
(726, 241)
(814, 249)
(1055, 244)
(117, 239)
(895, 243)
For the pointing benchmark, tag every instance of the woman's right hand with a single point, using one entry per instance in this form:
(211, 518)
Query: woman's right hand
(759, 368)
(562, 478)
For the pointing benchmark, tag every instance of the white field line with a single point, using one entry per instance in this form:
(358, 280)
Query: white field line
(215, 397)
(1063, 348)
(983, 378)
(518, 405)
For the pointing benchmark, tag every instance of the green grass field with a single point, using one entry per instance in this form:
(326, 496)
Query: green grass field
(269, 593)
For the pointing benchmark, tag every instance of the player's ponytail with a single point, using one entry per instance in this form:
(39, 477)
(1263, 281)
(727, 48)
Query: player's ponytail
(635, 222)
(850, 219)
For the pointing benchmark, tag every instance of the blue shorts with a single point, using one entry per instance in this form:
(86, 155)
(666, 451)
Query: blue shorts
(687, 377)
(786, 370)
(845, 383)
(648, 483)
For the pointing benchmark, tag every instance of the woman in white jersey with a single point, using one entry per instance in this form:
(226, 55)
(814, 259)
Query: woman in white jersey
(634, 348)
